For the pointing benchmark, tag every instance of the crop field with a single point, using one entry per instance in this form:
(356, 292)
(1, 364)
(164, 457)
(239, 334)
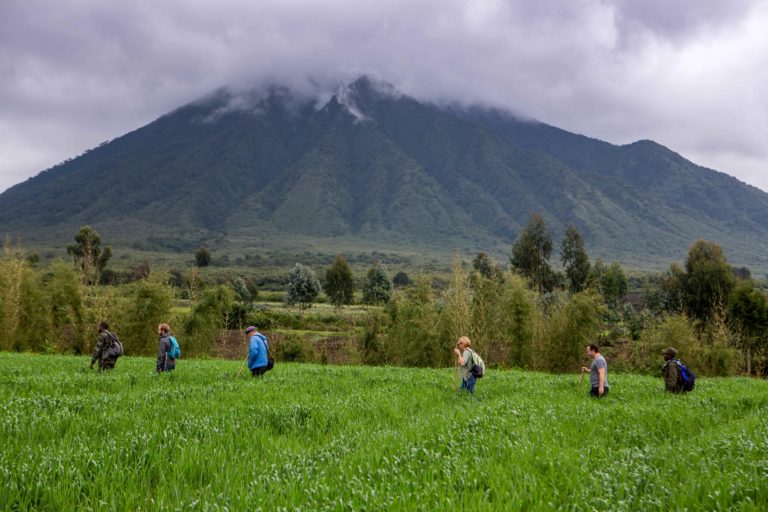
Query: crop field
(310, 437)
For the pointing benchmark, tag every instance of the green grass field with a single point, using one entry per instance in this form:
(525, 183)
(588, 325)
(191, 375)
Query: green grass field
(354, 438)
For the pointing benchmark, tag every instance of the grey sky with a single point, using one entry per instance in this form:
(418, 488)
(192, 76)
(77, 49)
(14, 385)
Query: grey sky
(690, 74)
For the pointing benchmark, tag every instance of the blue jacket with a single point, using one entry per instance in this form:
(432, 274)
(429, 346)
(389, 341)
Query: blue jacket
(257, 351)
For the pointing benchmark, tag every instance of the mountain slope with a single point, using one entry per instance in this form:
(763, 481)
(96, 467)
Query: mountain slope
(374, 167)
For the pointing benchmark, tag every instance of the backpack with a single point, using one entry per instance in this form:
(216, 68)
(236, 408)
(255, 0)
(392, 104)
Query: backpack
(478, 365)
(116, 348)
(175, 351)
(686, 375)
(270, 359)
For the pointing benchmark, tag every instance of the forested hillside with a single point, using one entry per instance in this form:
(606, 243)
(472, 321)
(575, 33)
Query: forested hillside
(373, 167)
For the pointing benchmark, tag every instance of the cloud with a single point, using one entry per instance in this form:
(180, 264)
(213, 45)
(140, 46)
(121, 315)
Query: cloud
(688, 74)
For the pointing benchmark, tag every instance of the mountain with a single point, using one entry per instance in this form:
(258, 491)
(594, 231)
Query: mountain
(373, 168)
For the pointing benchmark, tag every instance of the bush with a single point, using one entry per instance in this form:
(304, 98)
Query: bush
(294, 348)
(149, 305)
(371, 342)
(671, 331)
(210, 314)
(25, 318)
(65, 308)
(569, 327)
(414, 335)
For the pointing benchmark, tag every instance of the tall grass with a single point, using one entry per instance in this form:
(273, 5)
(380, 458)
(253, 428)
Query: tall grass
(310, 437)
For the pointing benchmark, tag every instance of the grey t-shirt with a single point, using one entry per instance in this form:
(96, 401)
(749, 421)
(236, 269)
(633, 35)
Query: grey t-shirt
(594, 375)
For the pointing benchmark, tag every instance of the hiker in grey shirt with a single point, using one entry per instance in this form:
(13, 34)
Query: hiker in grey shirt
(598, 372)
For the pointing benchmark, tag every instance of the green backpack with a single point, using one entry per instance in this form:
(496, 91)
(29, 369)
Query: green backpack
(478, 365)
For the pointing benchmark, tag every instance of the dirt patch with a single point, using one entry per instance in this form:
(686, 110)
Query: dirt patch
(330, 350)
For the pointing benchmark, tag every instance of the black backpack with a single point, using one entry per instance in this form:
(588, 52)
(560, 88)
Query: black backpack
(478, 365)
(270, 359)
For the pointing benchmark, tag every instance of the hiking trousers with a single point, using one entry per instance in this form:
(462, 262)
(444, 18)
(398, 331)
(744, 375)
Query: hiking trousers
(469, 384)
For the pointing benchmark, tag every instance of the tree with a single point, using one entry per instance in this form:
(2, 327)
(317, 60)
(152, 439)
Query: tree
(88, 254)
(575, 260)
(243, 304)
(203, 256)
(483, 265)
(707, 281)
(612, 282)
(748, 316)
(339, 282)
(241, 289)
(65, 306)
(740, 273)
(377, 288)
(150, 303)
(401, 279)
(531, 252)
(303, 287)
(211, 312)
(701, 288)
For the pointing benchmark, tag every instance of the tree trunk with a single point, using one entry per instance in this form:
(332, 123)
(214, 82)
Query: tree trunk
(749, 360)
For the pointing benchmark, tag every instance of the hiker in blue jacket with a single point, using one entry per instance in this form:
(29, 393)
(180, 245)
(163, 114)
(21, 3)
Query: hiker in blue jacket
(257, 352)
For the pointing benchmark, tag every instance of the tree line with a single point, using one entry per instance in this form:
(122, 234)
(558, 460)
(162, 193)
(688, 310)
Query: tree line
(525, 314)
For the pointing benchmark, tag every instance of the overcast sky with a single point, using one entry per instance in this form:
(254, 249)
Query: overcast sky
(689, 74)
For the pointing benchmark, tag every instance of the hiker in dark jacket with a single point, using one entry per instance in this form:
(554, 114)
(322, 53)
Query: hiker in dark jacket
(165, 363)
(103, 344)
(673, 381)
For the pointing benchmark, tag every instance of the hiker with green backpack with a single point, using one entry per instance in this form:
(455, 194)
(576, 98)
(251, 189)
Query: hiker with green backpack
(168, 350)
(471, 366)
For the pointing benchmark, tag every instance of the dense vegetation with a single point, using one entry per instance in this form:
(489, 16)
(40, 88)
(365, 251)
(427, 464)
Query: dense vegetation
(354, 438)
(281, 174)
(529, 316)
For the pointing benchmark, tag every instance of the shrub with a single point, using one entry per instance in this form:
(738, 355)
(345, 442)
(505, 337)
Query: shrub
(209, 315)
(294, 348)
(149, 304)
(570, 326)
(414, 335)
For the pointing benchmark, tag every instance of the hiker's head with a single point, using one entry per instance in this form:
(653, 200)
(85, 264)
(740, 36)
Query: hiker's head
(463, 343)
(103, 326)
(593, 350)
(669, 353)
(250, 329)
(163, 329)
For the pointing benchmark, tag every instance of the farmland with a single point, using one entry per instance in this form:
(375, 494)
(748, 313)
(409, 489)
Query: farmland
(349, 438)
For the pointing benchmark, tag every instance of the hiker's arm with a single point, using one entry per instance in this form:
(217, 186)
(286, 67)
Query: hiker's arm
(601, 380)
(459, 356)
(98, 349)
(162, 351)
(253, 352)
(671, 376)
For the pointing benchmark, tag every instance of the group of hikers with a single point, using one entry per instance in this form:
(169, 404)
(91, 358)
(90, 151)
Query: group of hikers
(470, 366)
(677, 377)
(109, 348)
